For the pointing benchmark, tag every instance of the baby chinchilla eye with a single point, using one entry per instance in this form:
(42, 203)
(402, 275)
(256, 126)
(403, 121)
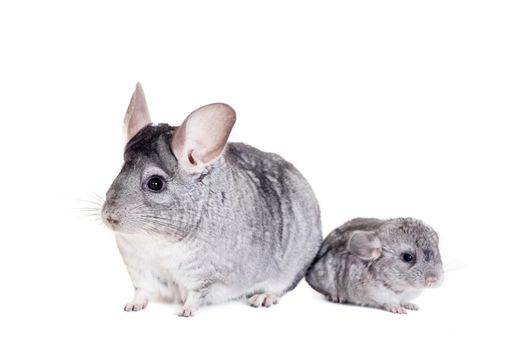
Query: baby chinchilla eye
(407, 257)
(155, 183)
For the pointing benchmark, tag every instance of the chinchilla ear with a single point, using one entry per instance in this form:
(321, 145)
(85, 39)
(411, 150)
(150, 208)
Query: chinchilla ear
(137, 115)
(365, 245)
(201, 138)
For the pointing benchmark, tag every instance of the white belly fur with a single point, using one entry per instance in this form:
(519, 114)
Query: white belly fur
(152, 262)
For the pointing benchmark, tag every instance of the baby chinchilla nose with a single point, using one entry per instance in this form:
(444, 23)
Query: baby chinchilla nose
(430, 280)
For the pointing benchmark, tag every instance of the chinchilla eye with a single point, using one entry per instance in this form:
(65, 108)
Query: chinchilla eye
(407, 257)
(155, 183)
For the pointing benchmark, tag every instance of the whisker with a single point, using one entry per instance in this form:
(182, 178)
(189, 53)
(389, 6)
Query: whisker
(89, 201)
(97, 197)
(91, 217)
(166, 220)
(170, 225)
(91, 209)
(149, 228)
(158, 224)
(89, 213)
(139, 206)
(170, 229)
(170, 221)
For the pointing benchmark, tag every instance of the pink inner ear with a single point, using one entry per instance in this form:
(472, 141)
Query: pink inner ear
(191, 159)
(365, 244)
(137, 115)
(201, 138)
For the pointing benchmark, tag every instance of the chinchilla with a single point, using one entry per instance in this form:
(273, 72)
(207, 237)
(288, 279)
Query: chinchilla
(377, 263)
(198, 220)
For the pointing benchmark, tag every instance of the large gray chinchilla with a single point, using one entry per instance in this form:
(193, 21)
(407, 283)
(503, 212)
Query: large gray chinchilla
(198, 220)
(377, 263)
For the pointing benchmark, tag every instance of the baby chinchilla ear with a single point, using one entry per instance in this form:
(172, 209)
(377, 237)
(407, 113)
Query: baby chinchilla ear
(201, 138)
(137, 115)
(365, 245)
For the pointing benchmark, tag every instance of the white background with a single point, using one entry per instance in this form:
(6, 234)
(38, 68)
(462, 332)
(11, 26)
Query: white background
(393, 108)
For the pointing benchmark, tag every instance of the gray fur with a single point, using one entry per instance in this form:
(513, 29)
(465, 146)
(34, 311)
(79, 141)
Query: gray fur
(249, 223)
(385, 281)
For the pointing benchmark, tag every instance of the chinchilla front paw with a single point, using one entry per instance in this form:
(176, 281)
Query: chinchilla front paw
(135, 306)
(263, 299)
(186, 312)
(395, 309)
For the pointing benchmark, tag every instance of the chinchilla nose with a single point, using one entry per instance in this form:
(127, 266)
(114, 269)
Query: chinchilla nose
(430, 280)
(112, 220)
(110, 216)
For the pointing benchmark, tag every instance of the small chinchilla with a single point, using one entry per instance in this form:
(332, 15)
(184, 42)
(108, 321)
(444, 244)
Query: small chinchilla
(377, 263)
(198, 220)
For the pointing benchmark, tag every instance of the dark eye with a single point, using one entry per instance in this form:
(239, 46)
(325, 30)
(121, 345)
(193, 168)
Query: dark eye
(407, 257)
(155, 183)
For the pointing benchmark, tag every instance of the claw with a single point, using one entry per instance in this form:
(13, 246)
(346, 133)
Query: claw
(396, 309)
(263, 299)
(135, 306)
(186, 312)
(410, 306)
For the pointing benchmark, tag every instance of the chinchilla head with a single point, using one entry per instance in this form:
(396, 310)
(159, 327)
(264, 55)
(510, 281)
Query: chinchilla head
(160, 188)
(404, 252)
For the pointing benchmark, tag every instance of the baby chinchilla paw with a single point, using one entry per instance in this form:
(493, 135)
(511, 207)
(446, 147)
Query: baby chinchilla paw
(336, 299)
(410, 306)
